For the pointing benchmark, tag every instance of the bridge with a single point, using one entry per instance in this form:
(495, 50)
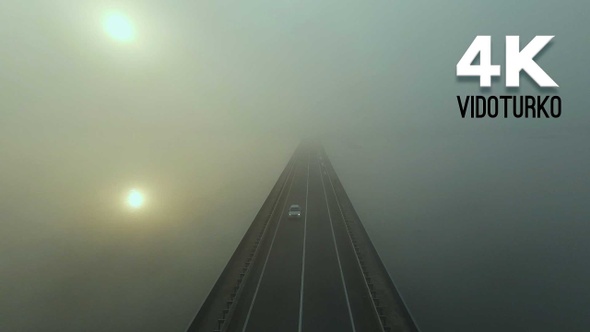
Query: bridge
(318, 272)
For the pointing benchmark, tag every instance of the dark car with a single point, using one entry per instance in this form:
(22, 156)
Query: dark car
(294, 211)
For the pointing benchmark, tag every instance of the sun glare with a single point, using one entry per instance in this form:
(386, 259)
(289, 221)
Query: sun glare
(135, 199)
(119, 27)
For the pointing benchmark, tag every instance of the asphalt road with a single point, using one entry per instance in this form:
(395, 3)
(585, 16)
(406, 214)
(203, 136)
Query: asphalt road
(306, 276)
(319, 272)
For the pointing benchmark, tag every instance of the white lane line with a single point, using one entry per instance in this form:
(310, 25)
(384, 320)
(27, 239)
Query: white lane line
(357, 259)
(303, 256)
(269, 251)
(337, 253)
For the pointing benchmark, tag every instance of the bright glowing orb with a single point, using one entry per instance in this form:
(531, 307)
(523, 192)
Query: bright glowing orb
(119, 27)
(135, 199)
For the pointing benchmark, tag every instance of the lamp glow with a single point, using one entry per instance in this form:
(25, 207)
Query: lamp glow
(119, 27)
(135, 199)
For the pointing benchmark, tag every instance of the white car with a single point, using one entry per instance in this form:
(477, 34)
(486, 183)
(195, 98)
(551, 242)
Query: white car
(294, 211)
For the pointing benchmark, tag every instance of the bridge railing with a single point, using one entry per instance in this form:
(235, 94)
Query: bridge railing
(388, 303)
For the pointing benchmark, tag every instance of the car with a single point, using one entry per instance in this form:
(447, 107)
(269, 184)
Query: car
(294, 211)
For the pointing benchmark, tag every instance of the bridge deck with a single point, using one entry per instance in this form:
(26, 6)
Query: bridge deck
(318, 272)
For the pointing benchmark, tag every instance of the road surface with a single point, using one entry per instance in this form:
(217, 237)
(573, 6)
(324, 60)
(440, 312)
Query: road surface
(318, 272)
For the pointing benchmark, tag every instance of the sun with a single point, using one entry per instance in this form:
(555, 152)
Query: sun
(119, 27)
(135, 199)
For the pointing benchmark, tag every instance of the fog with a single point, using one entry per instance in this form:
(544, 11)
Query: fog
(481, 222)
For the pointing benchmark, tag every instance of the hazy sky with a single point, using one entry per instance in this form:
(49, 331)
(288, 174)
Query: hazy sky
(482, 223)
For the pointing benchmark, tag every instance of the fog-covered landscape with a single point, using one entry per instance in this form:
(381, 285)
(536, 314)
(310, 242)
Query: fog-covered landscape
(482, 223)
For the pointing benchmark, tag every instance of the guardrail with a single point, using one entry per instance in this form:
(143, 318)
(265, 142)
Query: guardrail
(372, 268)
(218, 307)
(227, 312)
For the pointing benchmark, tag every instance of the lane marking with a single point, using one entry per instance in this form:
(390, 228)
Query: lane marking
(337, 253)
(269, 251)
(355, 255)
(304, 243)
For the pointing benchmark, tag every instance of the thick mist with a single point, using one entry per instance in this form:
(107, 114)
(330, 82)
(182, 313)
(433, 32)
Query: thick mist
(481, 223)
